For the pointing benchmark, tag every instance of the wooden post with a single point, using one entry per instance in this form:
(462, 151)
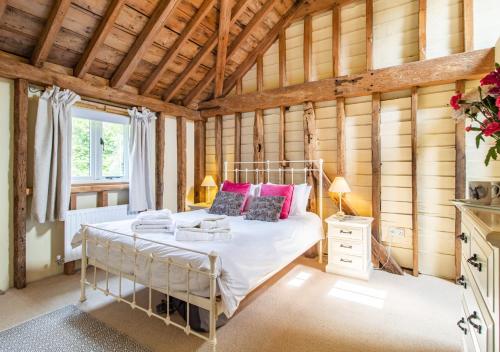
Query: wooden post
(307, 48)
(310, 143)
(160, 160)
(258, 126)
(199, 160)
(237, 132)
(422, 29)
(19, 174)
(181, 164)
(102, 199)
(220, 65)
(468, 25)
(460, 180)
(376, 169)
(219, 158)
(340, 136)
(414, 193)
(282, 58)
(369, 34)
(282, 140)
(336, 40)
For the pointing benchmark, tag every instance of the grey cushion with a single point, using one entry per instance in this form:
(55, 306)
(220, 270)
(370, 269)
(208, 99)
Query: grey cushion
(227, 203)
(266, 208)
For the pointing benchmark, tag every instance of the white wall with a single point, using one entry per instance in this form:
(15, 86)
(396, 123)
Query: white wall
(6, 186)
(170, 169)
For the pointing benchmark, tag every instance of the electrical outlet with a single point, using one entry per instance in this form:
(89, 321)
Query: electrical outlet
(59, 259)
(396, 232)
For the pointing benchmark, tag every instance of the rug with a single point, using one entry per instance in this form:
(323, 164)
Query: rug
(66, 329)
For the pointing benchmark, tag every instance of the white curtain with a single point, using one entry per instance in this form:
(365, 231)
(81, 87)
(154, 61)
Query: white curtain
(141, 190)
(52, 169)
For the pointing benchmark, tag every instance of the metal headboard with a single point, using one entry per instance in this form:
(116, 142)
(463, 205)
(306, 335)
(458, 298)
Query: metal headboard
(276, 167)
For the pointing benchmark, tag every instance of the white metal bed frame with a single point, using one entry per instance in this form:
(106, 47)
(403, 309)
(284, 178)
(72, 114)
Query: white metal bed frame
(212, 304)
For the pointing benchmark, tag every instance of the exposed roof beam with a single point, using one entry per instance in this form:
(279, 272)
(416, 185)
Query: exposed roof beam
(48, 36)
(220, 64)
(254, 22)
(419, 73)
(172, 52)
(98, 38)
(143, 42)
(262, 47)
(202, 54)
(15, 69)
(312, 7)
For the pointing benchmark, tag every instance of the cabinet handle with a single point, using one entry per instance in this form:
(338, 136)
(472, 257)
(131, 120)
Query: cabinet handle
(345, 260)
(459, 324)
(346, 232)
(345, 246)
(474, 315)
(463, 237)
(474, 262)
(461, 281)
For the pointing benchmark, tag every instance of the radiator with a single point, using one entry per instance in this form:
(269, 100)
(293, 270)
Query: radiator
(75, 218)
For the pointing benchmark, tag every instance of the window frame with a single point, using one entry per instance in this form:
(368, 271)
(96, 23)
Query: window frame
(97, 118)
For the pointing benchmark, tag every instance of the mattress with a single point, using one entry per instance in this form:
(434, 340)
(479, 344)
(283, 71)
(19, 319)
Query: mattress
(256, 250)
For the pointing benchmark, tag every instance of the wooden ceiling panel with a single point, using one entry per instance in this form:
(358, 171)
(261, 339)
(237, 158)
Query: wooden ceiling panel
(97, 7)
(16, 43)
(80, 21)
(22, 22)
(38, 8)
(63, 57)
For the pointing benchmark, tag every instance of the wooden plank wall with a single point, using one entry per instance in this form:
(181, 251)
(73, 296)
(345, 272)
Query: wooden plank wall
(295, 53)
(271, 69)
(436, 181)
(396, 174)
(228, 142)
(247, 120)
(486, 29)
(322, 46)
(359, 153)
(271, 137)
(444, 28)
(250, 80)
(294, 137)
(395, 26)
(210, 167)
(353, 38)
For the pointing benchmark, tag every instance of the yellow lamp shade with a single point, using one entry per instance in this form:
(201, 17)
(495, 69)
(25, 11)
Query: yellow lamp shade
(208, 181)
(339, 185)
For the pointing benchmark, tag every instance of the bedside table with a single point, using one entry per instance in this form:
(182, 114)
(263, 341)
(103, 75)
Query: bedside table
(198, 206)
(349, 246)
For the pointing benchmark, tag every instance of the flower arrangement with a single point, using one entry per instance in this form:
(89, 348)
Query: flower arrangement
(482, 107)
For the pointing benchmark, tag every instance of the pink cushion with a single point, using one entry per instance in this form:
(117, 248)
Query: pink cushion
(241, 188)
(279, 190)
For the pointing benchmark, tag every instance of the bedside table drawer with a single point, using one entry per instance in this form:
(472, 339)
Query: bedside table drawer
(346, 232)
(347, 261)
(346, 247)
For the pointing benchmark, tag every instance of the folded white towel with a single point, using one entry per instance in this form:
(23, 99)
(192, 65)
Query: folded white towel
(153, 226)
(217, 224)
(187, 223)
(197, 235)
(164, 214)
(157, 230)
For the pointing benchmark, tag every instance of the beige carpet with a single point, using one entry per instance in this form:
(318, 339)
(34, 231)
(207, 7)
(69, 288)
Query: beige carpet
(303, 309)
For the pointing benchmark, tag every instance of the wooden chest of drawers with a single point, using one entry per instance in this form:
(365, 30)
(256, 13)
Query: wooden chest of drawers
(349, 246)
(479, 320)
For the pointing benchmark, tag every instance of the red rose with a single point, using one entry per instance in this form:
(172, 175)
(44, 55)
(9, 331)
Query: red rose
(491, 78)
(454, 101)
(491, 128)
(497, 103)
(468, 128)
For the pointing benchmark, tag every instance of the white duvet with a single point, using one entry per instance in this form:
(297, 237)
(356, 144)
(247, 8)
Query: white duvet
(256, 250)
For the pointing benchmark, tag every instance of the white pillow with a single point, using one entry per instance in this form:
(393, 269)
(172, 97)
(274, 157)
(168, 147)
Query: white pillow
(300, 198)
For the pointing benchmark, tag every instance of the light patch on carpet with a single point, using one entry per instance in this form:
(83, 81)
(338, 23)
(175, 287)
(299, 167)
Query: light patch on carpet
(358, 294)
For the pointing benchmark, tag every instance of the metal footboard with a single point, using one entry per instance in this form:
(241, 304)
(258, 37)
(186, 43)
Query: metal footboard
(211, 304)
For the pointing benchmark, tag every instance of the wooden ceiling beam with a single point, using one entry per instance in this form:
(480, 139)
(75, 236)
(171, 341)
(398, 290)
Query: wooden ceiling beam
(14, 69)
(143, 42)
(173, 51)
(312, 7)
(202, 54)
(241, 38)
(220, 64)
(105, 26)
(264, 44)
(420, 73)
(50, 31)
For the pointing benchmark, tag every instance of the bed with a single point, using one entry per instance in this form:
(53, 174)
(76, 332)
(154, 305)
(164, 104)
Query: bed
(213, 275)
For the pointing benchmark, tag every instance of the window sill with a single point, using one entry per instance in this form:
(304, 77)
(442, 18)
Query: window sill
(93, 187)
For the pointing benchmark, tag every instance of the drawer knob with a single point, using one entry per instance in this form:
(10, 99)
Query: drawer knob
(474, 262)
(345, 246)
(463, 237)
(346, 232)
(461, 281)
(345, 260)
(459, 324)
(474, 325)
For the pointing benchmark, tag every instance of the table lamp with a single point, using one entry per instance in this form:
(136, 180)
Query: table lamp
(340, 186)
(208, 182)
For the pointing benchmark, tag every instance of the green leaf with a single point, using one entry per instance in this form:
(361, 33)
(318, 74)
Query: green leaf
(497, 65)
(479, 137)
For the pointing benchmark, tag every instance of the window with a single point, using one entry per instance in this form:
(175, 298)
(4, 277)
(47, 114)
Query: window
(99, 146)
